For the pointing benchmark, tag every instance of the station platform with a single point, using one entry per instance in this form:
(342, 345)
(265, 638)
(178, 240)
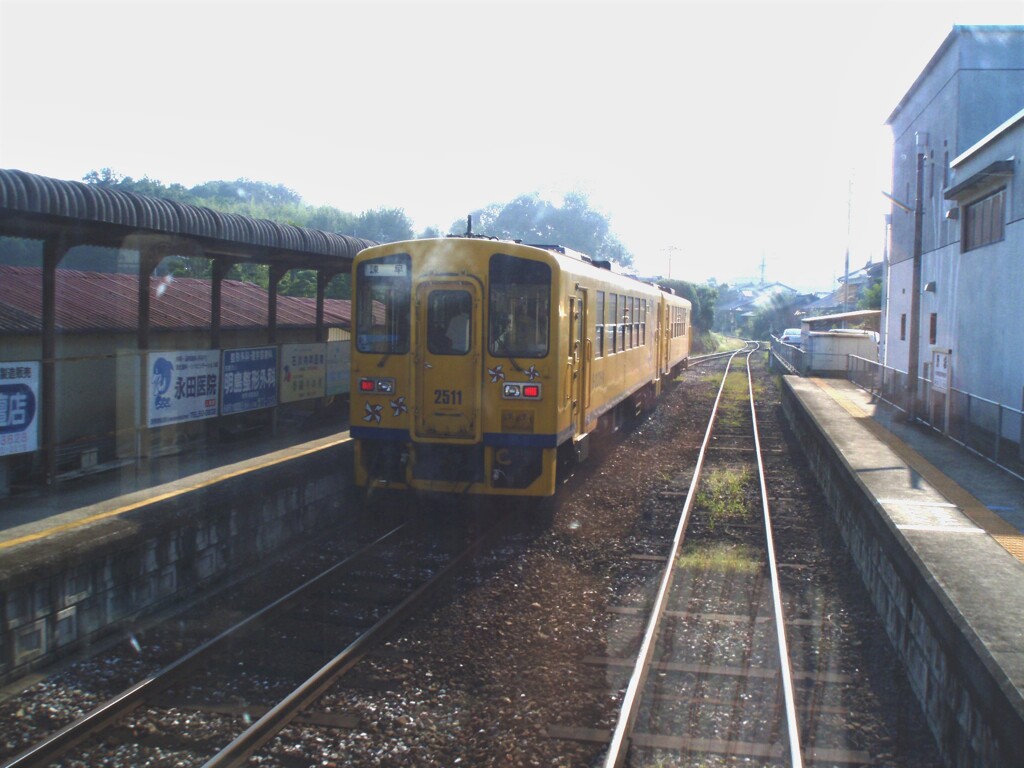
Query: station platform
(75, 504)
(937, 533)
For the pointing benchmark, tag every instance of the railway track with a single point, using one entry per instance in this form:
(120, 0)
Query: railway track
(710, 680)
(525, 660)
(234, 675)
(715, 479)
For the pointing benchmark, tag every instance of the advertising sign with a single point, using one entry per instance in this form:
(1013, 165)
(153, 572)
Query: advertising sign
(19, 408)
(338, 365)
(303, 371)
(183, 386)
(249, 379)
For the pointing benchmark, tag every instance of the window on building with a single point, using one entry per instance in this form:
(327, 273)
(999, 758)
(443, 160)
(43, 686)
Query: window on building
(933, 328)
(903, 327)
(983, 221)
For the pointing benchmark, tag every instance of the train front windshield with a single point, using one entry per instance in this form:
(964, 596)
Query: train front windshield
(384, 295)
(520, 305)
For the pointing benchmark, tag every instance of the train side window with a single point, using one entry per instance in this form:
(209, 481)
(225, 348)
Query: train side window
(643, 322)
(636, 321)
(599, 325)
(628, 318)
(519, 307)
(612, 322)
(623, 309)
(383, 301)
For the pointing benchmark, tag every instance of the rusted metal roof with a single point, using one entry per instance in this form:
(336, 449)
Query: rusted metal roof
(29, 194)
(100, 301)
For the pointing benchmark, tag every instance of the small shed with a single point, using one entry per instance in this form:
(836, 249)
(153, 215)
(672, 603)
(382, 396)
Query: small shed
(827, 339)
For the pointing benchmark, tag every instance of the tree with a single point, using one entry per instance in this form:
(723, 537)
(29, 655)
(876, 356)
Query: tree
(871, 298)
(779, 314)
(383, 225)
(331, 219)
(702, 298)
(573, 224)
(246, 191)
(107, 177)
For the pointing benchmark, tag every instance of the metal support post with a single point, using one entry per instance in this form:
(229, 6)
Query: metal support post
(915, 294)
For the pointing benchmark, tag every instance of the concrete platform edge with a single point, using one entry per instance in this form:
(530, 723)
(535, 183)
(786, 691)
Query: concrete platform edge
(973, 708)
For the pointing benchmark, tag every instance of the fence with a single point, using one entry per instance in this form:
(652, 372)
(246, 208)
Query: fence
(990, 429)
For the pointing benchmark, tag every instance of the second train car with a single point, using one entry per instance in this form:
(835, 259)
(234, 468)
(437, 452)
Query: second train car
(478, 363)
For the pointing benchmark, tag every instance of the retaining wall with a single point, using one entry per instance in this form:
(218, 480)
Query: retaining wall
(64, 592)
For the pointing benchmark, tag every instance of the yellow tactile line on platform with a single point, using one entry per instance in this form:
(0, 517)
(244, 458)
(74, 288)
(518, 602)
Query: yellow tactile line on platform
(160, 497)
(1005, 534)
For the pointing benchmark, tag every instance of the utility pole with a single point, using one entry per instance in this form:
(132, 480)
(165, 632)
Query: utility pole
(670, 250)
(846, 279)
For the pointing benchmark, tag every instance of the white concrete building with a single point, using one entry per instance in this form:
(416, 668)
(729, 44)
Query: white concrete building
(958, 143)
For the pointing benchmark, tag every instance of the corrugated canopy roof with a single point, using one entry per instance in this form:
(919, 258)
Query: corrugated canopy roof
(26, 198)
(100, 301)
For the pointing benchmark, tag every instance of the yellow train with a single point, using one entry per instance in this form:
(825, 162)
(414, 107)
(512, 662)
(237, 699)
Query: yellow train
(477, 364)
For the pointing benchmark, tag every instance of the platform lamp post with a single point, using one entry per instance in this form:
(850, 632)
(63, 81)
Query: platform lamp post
(914, 352)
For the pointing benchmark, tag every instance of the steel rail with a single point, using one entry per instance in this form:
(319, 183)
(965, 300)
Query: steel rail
(619, 747)
(278, 717)
(795, 755)
(112, 710)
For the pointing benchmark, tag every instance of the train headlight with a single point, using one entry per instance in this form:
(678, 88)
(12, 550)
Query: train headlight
(520, 391)
(383, 386)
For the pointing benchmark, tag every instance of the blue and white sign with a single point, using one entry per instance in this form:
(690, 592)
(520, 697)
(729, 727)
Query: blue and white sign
(249, 379)
(183, 386)
(19, 407)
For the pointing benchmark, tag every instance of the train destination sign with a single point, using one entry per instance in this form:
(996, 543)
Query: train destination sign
(19, 411)
(385, 270)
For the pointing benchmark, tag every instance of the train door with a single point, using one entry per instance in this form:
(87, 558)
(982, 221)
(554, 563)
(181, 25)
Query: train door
(579, 359)
(448, 360)
(665, 321)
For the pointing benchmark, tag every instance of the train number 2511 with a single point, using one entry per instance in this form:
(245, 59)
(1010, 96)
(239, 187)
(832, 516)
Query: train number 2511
(448, 397)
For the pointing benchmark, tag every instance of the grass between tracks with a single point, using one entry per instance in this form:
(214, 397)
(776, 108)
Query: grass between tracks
(720, 556)
(723, 496)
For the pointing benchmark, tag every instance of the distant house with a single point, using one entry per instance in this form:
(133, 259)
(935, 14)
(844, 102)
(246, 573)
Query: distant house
(740, 303)
(848, 295)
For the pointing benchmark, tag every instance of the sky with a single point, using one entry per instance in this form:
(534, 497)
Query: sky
(720, 138)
